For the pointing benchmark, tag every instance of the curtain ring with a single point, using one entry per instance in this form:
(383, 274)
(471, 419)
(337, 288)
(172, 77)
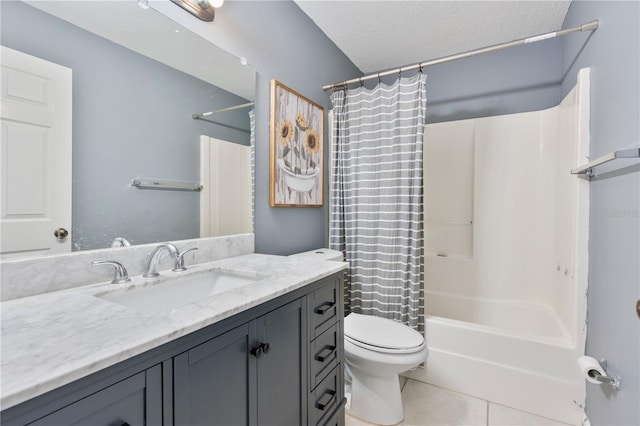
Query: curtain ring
(379, 80)
(420, 68)
(399, 73)
(361, 82)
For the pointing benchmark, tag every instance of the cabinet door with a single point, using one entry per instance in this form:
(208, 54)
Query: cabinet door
(214, 382)
(133, 401)
(282, 371)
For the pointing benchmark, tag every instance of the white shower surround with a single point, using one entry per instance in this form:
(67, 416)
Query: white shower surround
(508, 322)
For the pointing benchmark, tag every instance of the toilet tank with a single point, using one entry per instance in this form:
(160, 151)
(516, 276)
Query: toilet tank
(321, 254)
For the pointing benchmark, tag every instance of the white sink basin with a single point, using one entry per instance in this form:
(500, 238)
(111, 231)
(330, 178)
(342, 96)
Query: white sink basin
(180, 291)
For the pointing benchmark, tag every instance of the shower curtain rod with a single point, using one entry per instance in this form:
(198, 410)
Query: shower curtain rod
(590, 26)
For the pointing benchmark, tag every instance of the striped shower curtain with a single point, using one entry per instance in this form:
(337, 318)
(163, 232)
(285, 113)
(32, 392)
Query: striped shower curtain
(376, 196)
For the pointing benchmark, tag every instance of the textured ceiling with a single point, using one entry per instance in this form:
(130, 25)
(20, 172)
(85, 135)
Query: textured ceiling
(378, 35)
(152, 34)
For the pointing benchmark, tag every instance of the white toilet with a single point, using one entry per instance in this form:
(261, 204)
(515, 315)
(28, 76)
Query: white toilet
(377, 350)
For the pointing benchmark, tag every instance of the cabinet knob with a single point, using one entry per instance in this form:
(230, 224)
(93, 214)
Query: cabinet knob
(257, 351)
(261, 349)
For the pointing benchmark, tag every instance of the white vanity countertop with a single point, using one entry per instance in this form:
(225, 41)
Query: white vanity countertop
(52, 339)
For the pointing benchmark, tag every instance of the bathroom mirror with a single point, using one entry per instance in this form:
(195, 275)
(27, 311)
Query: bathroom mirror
(137, 78)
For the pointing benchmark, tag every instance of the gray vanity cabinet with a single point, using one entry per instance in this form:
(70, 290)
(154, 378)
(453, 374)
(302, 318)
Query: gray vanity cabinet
(279, 363)
(251, 375)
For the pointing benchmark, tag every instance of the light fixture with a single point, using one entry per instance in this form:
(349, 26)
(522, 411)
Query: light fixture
(201, 9)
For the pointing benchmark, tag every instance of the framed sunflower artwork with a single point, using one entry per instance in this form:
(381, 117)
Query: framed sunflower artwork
(297, 136)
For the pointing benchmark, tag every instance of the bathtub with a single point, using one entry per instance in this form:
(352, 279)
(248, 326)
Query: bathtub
(510, 353)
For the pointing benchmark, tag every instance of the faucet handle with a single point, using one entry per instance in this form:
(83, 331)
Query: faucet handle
(179, 266)
(120, 275)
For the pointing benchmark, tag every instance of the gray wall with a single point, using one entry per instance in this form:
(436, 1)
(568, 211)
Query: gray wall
(519, 79)
(131, 118)
(613, 53)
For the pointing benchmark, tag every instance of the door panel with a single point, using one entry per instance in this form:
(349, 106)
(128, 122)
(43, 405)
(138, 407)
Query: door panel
(35, 121)
(213, 381)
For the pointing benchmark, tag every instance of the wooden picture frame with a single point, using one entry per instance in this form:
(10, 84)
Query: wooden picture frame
(297, 149)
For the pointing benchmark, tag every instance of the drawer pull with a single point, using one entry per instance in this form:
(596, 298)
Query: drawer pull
(324, 307)
(322, 358)
(326, 399)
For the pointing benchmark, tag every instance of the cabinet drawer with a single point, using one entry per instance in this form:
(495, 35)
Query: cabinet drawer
(325, 398)
(120, 404)
(323, 308)
(324, 354)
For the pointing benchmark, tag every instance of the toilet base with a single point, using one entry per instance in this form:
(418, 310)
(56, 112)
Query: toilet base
(376, 399)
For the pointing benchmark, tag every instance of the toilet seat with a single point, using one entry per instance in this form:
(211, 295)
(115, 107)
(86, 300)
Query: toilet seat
(382, 334)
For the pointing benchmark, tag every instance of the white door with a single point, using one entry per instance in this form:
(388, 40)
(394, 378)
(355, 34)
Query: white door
(35, 160)
(225, 173)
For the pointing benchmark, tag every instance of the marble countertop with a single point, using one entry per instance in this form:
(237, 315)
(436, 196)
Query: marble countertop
(52, 339)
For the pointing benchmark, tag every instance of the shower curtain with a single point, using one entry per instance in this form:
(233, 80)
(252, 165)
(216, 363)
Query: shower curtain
(376, 196)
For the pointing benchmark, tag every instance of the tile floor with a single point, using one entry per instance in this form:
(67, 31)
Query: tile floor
(428, 405)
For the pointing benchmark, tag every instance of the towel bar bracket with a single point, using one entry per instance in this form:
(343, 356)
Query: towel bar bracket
(588, 169)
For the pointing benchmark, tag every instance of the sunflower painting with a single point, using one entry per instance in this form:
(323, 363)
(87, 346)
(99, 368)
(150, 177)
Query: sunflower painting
(297, 128)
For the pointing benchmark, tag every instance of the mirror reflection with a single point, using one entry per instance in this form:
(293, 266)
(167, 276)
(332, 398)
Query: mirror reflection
(135, 80)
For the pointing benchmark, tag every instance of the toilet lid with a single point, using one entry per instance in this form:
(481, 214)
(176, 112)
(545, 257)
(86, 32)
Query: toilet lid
(381, 333)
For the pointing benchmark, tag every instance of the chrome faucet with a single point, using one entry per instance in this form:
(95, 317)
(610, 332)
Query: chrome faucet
(151, 270)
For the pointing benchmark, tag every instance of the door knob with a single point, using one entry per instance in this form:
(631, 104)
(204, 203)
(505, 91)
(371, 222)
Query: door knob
(61, 234)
